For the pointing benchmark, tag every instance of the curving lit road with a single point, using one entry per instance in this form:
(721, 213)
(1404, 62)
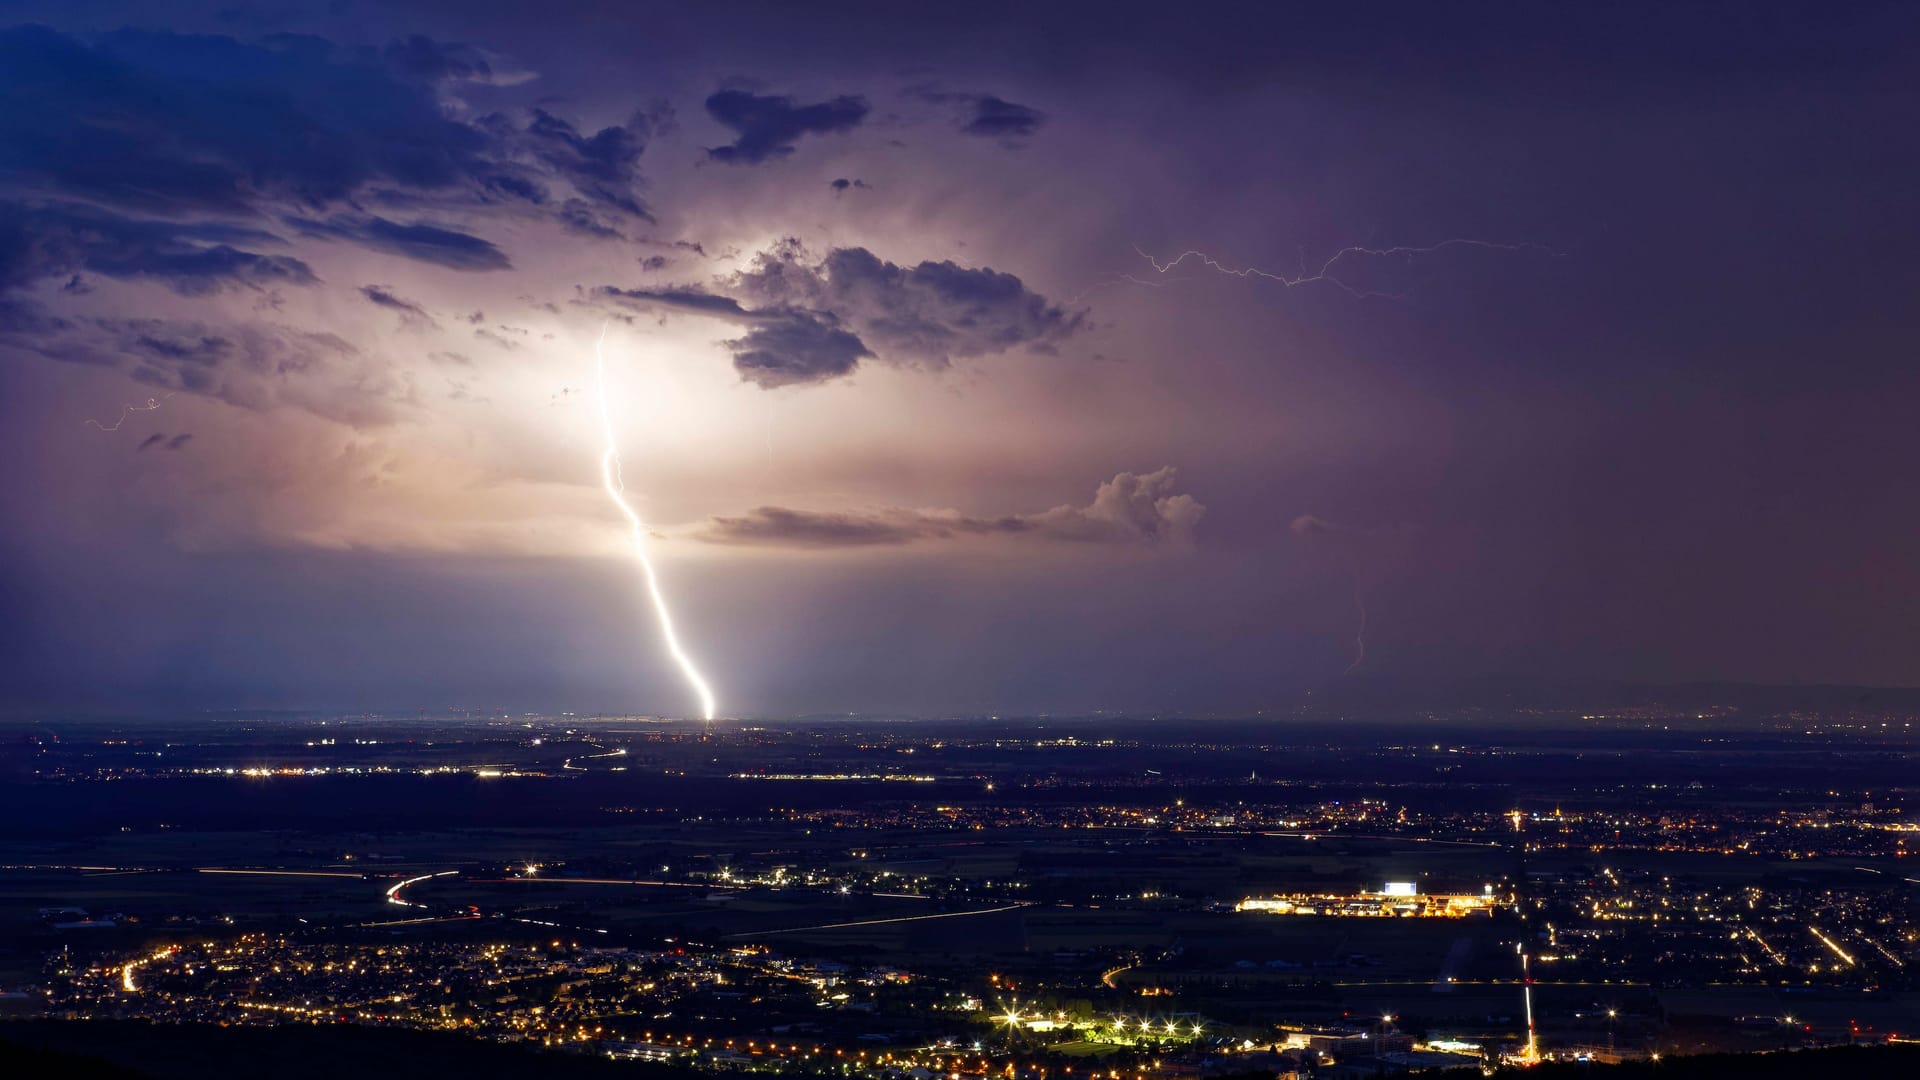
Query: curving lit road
(884, 922)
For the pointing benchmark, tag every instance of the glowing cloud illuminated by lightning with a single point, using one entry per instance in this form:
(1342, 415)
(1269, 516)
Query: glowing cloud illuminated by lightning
(615, 484)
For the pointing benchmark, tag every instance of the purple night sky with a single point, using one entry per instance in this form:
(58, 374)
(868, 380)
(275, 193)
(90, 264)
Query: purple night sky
(917, 420)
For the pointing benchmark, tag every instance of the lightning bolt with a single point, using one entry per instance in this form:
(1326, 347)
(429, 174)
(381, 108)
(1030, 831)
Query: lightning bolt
(611, 478)
(128, 410)
(1327, 271)
(1360, 634)
(1111, 280)
(1308, 525)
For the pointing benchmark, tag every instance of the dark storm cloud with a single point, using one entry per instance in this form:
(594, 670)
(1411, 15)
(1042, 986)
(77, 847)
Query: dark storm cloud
(381, 296)
(779, 526)
(427, 243)
(422, 58)
(766, 127)
(795, 350)
(928, 314)
(187, 126)
(161, 343)
(182, 122)
(162, 440)
(410, 313)
(782, 347)
(688, 298)
(603, 167)
(202, 270)
(1128, 509)
(985, 115)
(996, 118)
(811, 322)
(253, 365)
(57, 239)
(28, 325)
(509, 185)
(842, 185)
(578, 217)
(165, 350)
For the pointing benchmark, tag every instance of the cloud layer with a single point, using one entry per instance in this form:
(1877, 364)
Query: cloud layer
(985, 115)
(766, 127)
(1130, 509)
(174, 127)
(56, 239)
(422, 241)
(211, 166)
(811, 321)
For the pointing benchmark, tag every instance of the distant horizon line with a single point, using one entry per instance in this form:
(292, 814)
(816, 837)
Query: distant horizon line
(1469, 694)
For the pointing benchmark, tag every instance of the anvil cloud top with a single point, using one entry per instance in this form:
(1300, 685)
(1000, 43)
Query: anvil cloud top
(989, 358)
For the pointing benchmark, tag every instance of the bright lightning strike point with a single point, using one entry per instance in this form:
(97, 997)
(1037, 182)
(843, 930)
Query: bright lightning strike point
(610, 477)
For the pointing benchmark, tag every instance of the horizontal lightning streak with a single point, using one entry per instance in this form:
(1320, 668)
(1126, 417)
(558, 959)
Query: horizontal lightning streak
(128, 410)
(1326, 271)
